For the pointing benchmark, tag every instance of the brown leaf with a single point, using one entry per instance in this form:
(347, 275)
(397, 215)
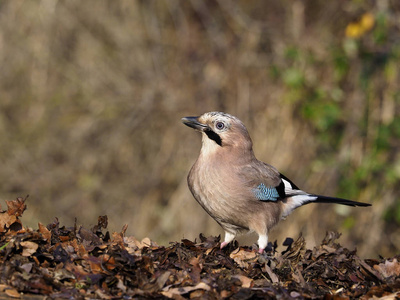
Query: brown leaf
(295, 250)
(328, 249)
(369, 270)
(242, 257)
(197, 294)
(78, 247)
(298, 277)
(146, 242)
(108, 262)
(162, 279)
(102, 295)
(88, 237)
(95, 264)
(117, 238)
(46, 234)
(77, 271)
(393, 296)
(3, 287)
(9, 219)
(16, 207)
(271, 274)
(389, 268)
(225, 294)
(171, 292)
(197, 266)
(62, 274)
(124, 228)
(246, 281)
(64, 238)
(6, 221)
(27, 267)
(121, 284)
(13, 293)
(102, 222)
(40, 285)
(330, 238)
(28, 248)
(134, 243)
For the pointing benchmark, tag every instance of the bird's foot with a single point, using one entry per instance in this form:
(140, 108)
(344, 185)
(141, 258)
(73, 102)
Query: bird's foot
(262, 243)
(223, 244)
(229, 237)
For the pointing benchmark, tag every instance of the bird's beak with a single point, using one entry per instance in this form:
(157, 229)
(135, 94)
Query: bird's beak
(194, 122)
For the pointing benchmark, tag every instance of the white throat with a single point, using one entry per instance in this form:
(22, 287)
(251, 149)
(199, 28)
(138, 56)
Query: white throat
(208, 146)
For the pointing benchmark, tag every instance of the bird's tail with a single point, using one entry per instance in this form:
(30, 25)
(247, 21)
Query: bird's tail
(325, 199)
(301, 199)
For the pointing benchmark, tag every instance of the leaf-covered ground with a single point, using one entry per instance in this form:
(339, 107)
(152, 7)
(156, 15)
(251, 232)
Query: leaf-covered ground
(55, 261)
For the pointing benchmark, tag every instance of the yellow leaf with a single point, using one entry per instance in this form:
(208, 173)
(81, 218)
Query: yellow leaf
(367, 21)
(353, 30)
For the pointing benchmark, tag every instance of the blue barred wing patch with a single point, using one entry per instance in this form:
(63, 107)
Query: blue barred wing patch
(265, 193)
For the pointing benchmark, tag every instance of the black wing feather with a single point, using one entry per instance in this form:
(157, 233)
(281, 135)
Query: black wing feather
(281, 187)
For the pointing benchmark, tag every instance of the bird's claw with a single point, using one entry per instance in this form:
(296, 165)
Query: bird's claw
(223, 244)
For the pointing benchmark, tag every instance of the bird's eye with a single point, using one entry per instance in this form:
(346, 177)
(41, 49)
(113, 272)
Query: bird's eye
(219, 125)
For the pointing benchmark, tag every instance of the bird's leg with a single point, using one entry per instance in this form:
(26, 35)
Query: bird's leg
(228, 238)
(262, 242)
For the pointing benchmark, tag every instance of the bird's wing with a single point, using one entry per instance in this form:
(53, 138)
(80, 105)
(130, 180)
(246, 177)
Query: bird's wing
(274, 186)
(267, 184)
(284, 189)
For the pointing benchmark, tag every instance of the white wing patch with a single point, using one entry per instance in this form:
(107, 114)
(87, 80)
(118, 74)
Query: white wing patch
(287, 184)
(297, 198)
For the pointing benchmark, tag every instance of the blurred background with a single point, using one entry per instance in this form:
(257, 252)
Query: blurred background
(92, 93)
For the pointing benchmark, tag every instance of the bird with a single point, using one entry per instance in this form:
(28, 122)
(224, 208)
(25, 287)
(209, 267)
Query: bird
(241, 193)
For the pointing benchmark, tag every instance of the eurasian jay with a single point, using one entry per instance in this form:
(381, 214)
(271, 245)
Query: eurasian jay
(240, 192)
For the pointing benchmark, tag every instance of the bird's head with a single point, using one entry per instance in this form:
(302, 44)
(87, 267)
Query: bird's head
(220, 130)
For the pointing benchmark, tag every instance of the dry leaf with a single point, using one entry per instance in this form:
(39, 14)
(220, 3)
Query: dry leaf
(46, 234)
(389, 268)
(12, 293)
(102, 295)
(162, 279)
(171, 292)
(28, 248)
(393, 296)
(121, 285)
(3, 287)
(16, 207)
(117, 238)
(27, 267)
(242, 257)
(225, 294)
(134, 244)
(246, 281)
(146, 242)
(6, 221)
(271, 274)
(208, 251)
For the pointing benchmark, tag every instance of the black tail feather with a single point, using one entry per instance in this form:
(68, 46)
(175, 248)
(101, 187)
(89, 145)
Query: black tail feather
(325, 199)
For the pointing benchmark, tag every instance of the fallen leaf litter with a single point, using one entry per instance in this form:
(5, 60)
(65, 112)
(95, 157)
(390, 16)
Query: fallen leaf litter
(75, 262)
